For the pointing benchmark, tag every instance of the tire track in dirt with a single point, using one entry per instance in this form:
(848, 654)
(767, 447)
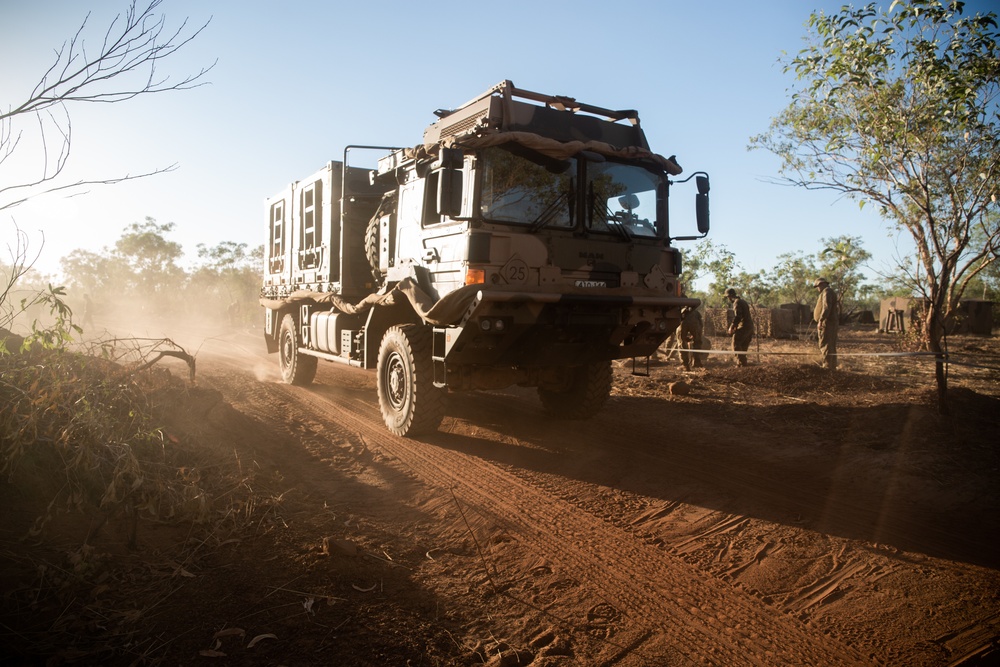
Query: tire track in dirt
(739, 483)
(676, 612)
(735, 472)
(662, 494)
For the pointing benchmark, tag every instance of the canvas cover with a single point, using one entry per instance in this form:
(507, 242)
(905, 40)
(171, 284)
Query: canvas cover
(442, 312)
(559, 150)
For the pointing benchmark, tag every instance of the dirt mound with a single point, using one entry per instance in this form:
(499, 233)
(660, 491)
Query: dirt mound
(804, 379)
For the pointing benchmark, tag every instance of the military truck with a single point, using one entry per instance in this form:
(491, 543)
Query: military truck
(526, 241)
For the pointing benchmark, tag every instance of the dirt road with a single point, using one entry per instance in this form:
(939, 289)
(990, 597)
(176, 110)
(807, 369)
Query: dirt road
(777, 515)
(774, 515)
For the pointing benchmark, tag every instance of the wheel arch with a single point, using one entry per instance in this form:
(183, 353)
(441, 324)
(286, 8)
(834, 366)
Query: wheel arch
(272, 337)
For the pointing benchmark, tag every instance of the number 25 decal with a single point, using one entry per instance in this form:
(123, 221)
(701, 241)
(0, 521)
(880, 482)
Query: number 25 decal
(515, 271)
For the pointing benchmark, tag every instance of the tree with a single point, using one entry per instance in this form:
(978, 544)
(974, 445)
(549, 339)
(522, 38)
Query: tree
(840, 262)
(792, 278)
(755, 287)
(899, 108)
(986, 284)
(122, 68)
(97, 274)
(228, 281)
(716, 261)
(152, 260)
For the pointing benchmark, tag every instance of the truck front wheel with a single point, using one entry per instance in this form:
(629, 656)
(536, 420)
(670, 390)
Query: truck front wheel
(407, 397)
(296, 368)
(586, 392)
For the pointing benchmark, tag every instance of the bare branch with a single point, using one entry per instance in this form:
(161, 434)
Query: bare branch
(124, 67)
(20, 264)
(139, 44)
(80, 184)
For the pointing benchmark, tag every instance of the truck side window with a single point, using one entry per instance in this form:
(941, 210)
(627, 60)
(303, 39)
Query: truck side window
(311, 216)
(277, 249)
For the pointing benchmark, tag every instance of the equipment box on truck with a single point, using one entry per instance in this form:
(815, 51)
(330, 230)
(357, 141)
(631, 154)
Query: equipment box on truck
(525, 242)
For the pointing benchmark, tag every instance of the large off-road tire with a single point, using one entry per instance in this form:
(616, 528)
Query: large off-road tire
(585, 395)
(407, 397)
(296, 368)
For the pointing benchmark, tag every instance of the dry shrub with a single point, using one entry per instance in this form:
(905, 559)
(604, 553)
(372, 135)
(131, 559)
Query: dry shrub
(84, 423)
(88, 461)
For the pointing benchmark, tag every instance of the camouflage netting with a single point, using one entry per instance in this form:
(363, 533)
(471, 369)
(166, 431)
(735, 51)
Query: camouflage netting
(767, 322)
(445, 311)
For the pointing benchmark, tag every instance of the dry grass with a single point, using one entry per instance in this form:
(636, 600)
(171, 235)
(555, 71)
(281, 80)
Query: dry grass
(91, 471)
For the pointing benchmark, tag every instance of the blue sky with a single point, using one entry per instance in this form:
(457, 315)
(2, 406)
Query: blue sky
(296, 81)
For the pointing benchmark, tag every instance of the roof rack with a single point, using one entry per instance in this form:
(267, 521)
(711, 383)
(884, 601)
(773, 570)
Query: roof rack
(509, 91)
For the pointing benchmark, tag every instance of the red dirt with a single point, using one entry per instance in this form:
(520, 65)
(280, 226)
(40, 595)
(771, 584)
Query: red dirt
(775, 515)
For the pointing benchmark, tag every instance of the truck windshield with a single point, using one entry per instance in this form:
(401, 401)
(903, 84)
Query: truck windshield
(527, 189)
(621, 199)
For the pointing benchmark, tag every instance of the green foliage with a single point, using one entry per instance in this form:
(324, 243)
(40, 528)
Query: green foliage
(840, 262)
(715, 261)
(899, 108)
(839, 259)
(25, 296)
(57, 334)
(792, 278)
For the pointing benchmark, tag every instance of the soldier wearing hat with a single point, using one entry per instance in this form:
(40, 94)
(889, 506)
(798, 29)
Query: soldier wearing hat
(742, 327)
(827, 316)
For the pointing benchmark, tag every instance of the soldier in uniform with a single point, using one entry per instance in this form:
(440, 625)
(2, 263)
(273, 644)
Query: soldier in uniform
(827, 316)
(689, 337)
(742, 327)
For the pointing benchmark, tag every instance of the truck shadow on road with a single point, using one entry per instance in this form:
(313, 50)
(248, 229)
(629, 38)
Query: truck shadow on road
(889, 475)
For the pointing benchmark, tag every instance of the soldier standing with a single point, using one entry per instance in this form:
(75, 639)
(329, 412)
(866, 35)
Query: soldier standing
(742, 327)
(827, 318)
(689, 336)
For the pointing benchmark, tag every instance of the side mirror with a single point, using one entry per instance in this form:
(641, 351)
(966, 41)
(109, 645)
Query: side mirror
(703, 185)
(447, 170)
(701, 212)
(449, 192)
(701, 204)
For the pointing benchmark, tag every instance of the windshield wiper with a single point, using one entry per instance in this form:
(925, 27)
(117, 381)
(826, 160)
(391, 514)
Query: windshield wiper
(547, 214)
(609, 217)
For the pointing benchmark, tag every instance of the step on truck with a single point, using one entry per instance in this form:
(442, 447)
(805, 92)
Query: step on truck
(526, 241)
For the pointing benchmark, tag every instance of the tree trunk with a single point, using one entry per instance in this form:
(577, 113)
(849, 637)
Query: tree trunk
(934, 330)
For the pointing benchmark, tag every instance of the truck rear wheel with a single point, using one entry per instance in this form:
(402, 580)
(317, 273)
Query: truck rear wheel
(586, 393)
(296, 368)
(407, 397)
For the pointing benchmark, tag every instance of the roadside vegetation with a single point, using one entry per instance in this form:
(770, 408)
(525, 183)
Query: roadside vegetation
(87, 450)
